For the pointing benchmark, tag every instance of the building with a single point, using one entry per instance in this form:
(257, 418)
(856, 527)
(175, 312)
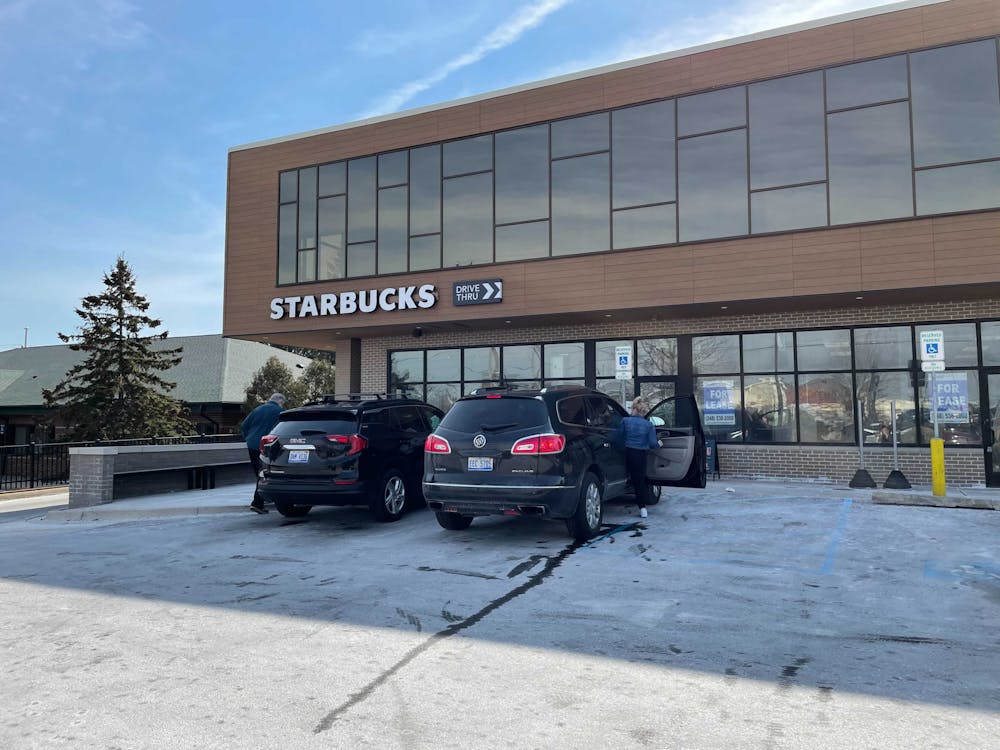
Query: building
(769, 222)
(212, 378)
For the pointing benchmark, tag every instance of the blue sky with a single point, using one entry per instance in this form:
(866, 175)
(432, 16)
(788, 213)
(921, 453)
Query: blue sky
(116, 117)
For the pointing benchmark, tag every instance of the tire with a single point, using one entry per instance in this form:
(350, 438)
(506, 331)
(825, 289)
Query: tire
(697, 475)
(655, 493)
(288, 510)
(453, 521)
(388, 499)
(586, 519)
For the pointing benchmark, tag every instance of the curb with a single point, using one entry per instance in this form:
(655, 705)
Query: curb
(101, 514)
(934, 501)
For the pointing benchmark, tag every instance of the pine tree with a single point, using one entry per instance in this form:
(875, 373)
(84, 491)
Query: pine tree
(115, 392)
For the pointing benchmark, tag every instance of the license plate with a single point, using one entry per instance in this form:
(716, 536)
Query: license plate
(298, 457)
(480, 463)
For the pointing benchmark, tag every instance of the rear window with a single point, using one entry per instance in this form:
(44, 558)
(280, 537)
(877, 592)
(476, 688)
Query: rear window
(495, 414)
(316, 423)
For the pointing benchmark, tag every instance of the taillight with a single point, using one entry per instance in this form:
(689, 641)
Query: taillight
(536, 445)
(435, 444)
(354, 443)
(266, 441)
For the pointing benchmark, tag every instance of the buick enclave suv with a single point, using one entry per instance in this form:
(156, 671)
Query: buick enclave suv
(548, 453)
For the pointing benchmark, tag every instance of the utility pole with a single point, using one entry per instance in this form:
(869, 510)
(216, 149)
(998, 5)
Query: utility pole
(26, 337)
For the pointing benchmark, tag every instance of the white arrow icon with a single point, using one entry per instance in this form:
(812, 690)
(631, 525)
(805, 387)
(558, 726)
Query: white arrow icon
(493, 289)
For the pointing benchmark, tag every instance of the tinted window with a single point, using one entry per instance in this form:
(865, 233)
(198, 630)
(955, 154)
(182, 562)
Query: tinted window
(768, 352)
(406, 367)
(826, 408)
(361, 259)
(712, 171)
(474, 415)
(468, 220)
(715, 110)
(522, 362)
(522, 174)
(333, 179)
(316, 423)
(332, 257)
(657, 357)
(482, 363)
(425, 252)
(564, 360)
(603, 412)
(361, 200)
(444, 364)
(991, 343)
(956, 111)
(431, 416)
(392, 230)
(288, 186)
(787, 138)
(963, 188)
(642, 152)
(870, 174)
(866, 83)
(392, 168)
(715, 354)
(642, 227)
(425, 190)
(675, 413)
(521, 241)
(572, 410)
(307, 208)
(580, 135)
(468, 155)
(307, 265)
(407, 419)
(882, 347)
(788, 208)
(287, 223)
(824, 350)
(959, 342)
(769, 408)
(580, 205)
(876, 392)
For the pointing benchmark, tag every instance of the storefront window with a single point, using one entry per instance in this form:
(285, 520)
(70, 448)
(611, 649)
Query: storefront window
(826, 407)
(824, 350)
(564, 361)
(876, 348)
(957, 406)
(769, 408)
(768, 352)
(605, 361)
(444, 364)
(719, 398)
(657, 357)
(960, 347)
(443, 395)
(991, 343)
(406, 367)
(715, 354)
(877, 391)
(482, 363)
(522, 362)
(620, 390)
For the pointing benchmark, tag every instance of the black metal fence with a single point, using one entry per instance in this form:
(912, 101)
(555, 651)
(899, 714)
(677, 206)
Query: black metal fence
(33, 465)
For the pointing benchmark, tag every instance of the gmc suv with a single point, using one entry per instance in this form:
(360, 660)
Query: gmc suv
(358, 450)
(548, 453)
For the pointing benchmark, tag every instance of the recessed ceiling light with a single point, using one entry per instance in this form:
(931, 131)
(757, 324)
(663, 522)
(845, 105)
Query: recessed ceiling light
(725, 307)
(859, 297)
(507, 321)
(607, 315)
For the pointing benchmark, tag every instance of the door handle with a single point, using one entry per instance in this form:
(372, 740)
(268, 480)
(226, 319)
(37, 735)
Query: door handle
(606, 445)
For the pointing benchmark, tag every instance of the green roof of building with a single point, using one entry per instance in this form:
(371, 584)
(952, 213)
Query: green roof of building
(212, 369)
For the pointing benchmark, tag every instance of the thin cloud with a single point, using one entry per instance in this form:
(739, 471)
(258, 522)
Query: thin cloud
(738, 20)
(525, 19)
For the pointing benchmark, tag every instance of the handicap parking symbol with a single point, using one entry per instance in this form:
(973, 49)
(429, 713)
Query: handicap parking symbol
(623, 360)
(931, 348)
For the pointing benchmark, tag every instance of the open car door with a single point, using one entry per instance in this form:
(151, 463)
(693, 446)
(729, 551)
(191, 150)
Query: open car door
(681, 459)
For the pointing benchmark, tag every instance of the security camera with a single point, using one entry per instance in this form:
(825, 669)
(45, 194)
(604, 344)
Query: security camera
(418, 332)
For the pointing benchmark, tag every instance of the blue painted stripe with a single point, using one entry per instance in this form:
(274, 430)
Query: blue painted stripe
(831, 551)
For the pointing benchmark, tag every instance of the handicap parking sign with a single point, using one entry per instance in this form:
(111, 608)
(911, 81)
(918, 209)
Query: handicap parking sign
(932, 346)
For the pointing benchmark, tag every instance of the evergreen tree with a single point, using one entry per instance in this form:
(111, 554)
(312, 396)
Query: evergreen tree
(115, 391)
(319, 378)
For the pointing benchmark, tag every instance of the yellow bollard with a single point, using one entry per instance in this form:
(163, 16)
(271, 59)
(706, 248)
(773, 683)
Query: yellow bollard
(937, 467)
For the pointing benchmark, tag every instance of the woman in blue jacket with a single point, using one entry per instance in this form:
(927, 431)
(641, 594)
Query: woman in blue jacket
(638, 435)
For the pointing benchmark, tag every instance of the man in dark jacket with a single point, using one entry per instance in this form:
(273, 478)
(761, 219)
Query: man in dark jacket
(637, 435)
(257, 424)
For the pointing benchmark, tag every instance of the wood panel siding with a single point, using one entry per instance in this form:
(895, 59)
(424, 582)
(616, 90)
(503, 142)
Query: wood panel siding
(928, 252)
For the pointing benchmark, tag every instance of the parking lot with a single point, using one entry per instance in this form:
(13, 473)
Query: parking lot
(744, 615)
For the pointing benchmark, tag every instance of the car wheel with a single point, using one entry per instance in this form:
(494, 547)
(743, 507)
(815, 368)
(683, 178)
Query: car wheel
(288, 510)
(453, 521)
(389, 498)
(655, 493)
(586, 520)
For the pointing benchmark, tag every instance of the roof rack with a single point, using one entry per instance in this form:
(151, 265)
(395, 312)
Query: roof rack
(330, 397)
(507, 388)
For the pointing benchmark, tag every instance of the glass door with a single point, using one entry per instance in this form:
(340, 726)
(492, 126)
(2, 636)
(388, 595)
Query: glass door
(653, 390)
(991, 427)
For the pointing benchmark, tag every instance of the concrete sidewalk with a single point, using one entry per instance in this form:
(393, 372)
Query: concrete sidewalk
(236, 498)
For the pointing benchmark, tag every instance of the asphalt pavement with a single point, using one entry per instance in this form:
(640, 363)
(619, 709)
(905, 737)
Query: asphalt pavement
(746, 615)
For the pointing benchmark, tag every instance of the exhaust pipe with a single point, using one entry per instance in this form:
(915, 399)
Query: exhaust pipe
(532, 510)
(435, 504)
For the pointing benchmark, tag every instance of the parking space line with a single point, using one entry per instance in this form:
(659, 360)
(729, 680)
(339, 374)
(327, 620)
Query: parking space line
(831, 551)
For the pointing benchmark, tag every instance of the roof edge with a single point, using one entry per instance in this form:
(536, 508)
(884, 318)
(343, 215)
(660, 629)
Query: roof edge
(610, 68)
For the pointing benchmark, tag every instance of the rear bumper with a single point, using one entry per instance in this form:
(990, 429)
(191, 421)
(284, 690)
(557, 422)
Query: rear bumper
(490, 500)
(313, 492)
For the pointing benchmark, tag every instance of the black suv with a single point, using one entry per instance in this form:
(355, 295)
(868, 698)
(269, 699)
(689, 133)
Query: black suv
(358, 449)
(549, 453)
